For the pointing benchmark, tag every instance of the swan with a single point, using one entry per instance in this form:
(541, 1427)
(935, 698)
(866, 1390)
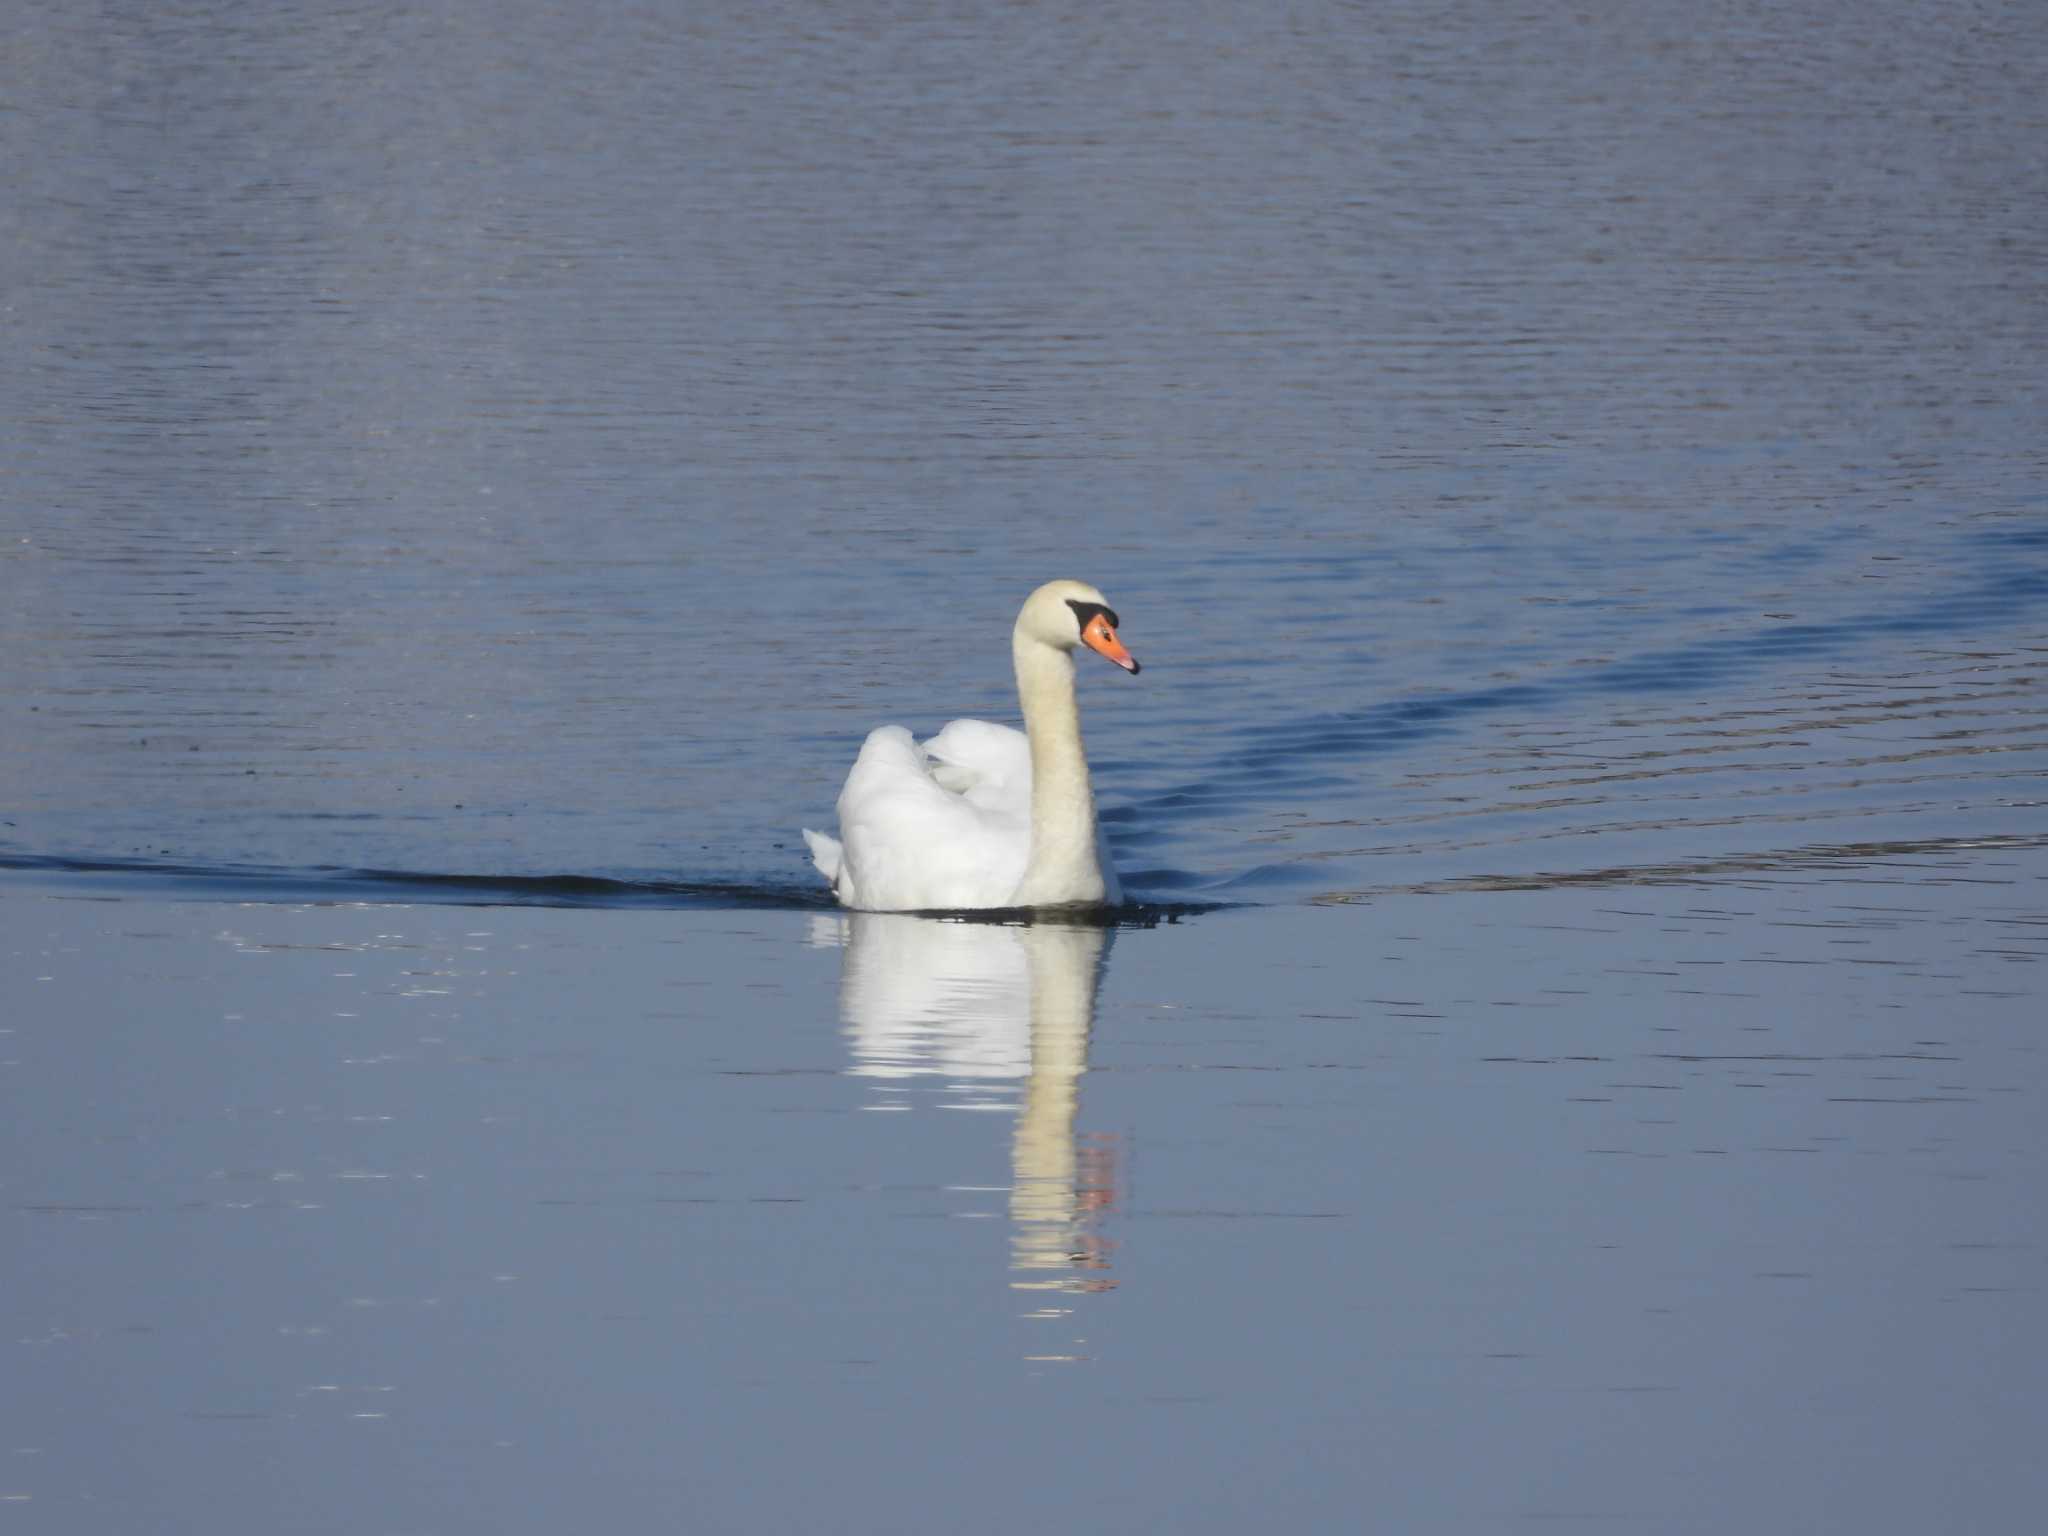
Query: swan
(983, 816)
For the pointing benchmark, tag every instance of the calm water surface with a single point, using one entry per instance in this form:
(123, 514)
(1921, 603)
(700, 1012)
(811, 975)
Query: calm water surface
(1685, 1208)
(1576, 485)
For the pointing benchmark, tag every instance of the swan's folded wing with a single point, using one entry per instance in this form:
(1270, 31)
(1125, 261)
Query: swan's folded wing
(912, 844)
(989, 764)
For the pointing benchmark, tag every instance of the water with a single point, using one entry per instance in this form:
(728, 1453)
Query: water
(1685, 1208)
(1575, 487)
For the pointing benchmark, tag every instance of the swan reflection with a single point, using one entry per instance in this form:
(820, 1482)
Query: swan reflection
(1002, 1015)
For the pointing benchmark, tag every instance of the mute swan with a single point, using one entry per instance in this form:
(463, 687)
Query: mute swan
(982, 815)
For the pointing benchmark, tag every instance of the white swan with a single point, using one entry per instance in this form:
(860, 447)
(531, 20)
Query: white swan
(983, 816)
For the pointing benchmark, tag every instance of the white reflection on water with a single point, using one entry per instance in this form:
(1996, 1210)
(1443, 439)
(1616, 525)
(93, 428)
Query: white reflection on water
(1002, 1015)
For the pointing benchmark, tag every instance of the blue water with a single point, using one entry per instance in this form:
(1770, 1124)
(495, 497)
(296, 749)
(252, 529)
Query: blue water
(1575, 486)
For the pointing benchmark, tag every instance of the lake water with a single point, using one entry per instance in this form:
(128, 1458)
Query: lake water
(470, 476)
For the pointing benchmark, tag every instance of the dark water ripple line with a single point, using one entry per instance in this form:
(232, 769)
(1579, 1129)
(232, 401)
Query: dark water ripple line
(1840, 860)
(1701, 667)
(328, 885)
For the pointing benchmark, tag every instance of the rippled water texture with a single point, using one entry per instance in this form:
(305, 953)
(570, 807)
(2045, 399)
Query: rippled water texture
(1574, 479)
(463, 444)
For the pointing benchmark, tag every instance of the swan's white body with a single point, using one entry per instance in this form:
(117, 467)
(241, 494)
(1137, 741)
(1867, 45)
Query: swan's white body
(983, 816)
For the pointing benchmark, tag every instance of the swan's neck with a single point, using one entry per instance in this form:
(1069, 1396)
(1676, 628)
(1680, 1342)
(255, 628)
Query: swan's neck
(1063, 867)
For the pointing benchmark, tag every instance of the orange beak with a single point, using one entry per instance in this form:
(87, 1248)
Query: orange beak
(1100, 637)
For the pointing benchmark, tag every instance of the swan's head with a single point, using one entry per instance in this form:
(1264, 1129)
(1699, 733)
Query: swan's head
(1064, 614)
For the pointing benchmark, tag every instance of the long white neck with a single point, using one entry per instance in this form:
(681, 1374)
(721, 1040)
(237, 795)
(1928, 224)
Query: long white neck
(1063, 867)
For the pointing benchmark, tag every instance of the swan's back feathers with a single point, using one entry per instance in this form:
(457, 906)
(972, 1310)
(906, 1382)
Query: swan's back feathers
(990, 765)
(911, 844)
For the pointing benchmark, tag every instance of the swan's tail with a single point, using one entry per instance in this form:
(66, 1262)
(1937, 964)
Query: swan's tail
(826, 854)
